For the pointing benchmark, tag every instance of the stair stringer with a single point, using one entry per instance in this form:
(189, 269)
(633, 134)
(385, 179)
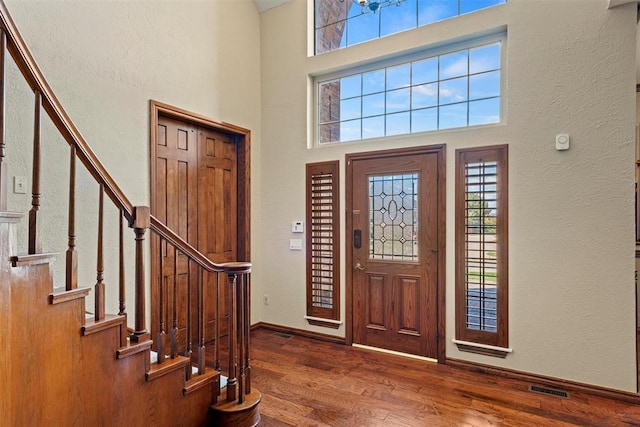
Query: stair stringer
(52, 374)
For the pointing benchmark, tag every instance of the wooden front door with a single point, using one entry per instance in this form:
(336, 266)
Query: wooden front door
(395, 242)
(194, 192)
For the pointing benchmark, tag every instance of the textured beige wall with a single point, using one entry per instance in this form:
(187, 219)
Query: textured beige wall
(105, 60)
(570, 69)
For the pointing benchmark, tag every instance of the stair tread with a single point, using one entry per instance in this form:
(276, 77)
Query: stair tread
(198, 381)
(11, 217)
(133, 348)
(169, 365)
(110, 320)
(60, 295)
(32, 259)
(153, 357)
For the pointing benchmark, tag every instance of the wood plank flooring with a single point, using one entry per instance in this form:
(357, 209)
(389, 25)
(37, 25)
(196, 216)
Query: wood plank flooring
(306, 382)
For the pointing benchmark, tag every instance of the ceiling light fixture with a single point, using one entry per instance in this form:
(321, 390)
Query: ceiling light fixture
(373, 5)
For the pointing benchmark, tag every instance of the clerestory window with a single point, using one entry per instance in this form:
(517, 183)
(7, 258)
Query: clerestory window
(451, 89)
(342, 23)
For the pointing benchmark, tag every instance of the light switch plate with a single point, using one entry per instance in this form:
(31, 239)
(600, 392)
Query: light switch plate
(295, 244)
(20, 185)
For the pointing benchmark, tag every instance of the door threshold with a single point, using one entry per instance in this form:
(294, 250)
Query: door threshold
(396, 353)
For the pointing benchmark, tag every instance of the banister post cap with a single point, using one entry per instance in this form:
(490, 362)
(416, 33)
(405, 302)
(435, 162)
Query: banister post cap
(141, 217)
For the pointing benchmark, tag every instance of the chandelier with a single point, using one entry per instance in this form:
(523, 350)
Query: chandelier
(374, 5)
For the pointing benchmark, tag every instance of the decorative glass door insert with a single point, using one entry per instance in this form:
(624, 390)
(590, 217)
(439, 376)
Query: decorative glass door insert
(393, 217)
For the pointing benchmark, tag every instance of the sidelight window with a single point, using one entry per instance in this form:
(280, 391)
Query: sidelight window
(323, 246)
(482, 249)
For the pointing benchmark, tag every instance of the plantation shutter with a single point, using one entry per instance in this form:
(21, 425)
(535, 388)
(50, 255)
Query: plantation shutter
(323, 272)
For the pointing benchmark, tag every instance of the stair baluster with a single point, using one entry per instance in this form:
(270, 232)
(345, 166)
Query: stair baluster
(99, 288)
(34, 241)
(161, 305)
(71, 275)
(188, 329)
(122, 292)
(201, 314)
(3, 167)
(216, 352)
(174, 307)
(232, 382)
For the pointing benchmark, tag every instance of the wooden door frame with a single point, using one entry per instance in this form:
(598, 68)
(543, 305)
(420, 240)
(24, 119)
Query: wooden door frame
(242, 138)
(440, 151)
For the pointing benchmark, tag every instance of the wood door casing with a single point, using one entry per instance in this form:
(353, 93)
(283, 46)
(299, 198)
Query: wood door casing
(397, 304)
(218, 226)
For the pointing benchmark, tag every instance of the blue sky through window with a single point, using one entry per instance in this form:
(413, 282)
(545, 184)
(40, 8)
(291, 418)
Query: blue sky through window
(451, 90)
(359, 25)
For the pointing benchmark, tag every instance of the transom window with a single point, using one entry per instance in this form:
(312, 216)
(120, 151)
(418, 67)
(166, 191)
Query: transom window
(342, 23)
(455, 89)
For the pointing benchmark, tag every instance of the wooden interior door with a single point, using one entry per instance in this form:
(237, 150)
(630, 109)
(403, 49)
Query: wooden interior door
(195, 192)
(176, 204)
(394, 244)
(217, 216)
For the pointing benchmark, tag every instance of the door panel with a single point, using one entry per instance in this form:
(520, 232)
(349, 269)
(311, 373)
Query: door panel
(377, 302)
(176, 202)
(217, 216)
(394, 279)
(409, 313)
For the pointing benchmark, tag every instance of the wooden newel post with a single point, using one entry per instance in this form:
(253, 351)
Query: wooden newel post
(246, 284)
(239, 382)
(140, 224)
(241, 336)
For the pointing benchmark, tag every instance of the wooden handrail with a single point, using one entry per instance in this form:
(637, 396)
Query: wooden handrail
(193, 254)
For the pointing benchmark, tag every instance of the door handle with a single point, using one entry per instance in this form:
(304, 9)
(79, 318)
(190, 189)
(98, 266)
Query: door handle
(358, 267)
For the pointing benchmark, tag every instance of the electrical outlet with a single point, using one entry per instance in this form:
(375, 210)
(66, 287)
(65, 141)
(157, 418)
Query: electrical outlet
(266, 299)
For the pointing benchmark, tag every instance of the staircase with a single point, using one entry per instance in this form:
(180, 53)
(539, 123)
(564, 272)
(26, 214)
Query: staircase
(67, 364)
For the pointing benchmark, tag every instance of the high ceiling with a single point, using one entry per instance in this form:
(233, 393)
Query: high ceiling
(263, 5)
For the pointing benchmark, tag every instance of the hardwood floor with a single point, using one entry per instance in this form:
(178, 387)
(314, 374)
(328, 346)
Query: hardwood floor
(306, 382)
